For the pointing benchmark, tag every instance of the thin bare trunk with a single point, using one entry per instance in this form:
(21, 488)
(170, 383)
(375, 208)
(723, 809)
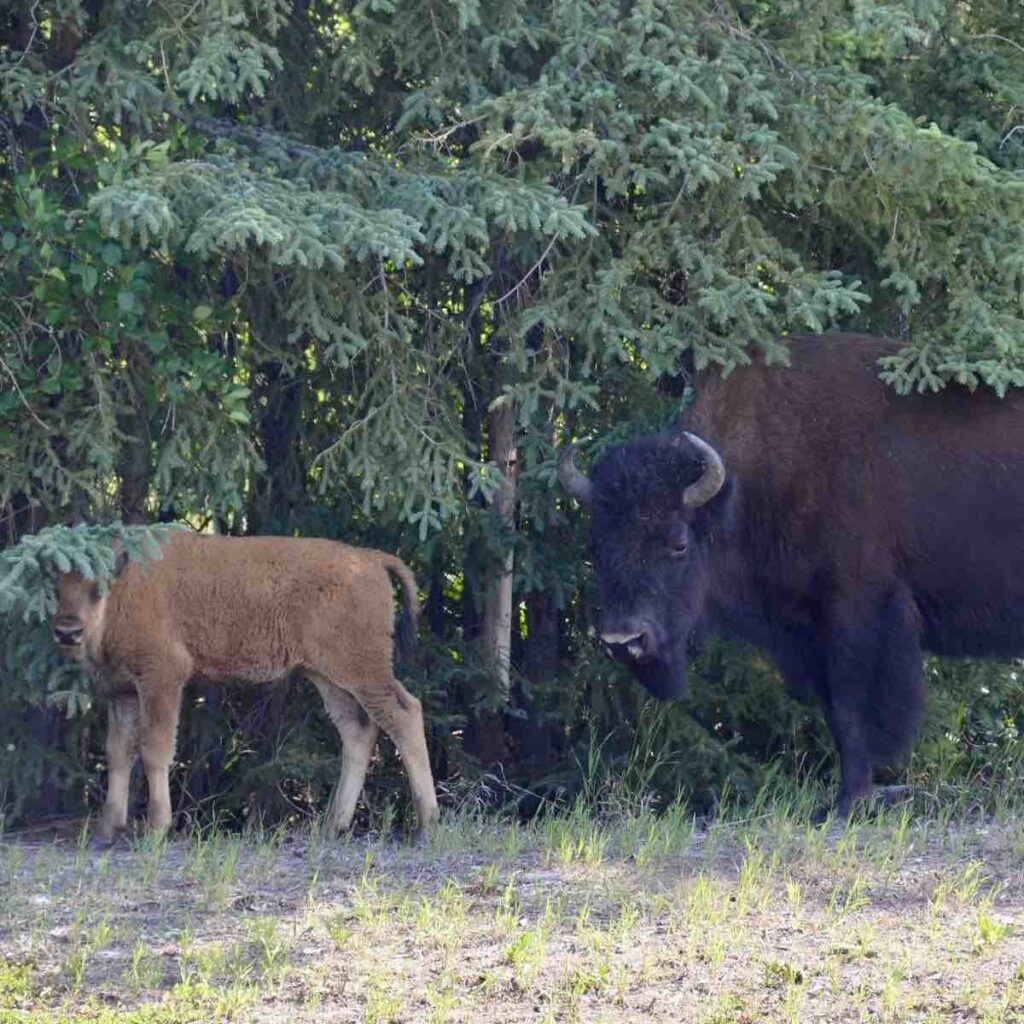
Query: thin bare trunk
(497, 625)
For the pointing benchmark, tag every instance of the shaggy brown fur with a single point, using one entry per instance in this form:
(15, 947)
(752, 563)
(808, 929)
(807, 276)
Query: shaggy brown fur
(254, 609)
(854, 528)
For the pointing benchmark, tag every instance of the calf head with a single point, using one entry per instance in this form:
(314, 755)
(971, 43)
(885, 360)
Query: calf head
(81, 611)
(655, 505)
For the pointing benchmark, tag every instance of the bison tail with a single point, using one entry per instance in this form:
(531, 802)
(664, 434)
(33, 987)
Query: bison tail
(405, 628)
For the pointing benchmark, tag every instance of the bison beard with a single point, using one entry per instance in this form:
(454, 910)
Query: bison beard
(252, 609)
(852, 529)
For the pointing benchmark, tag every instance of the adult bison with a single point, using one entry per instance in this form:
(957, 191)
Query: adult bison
(255, 609)
(835, 524)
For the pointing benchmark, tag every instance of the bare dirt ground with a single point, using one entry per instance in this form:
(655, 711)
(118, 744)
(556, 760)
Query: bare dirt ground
(644, 920)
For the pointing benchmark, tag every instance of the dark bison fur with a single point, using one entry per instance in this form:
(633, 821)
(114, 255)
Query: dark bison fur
(855, 528)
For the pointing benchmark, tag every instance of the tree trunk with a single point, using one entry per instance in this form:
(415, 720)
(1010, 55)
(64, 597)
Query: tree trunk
(540, 655)
(18, 517)
(433, 608)
(537, 739)
(496, 634)
(135, 458)
(472, 429)
(485, 740)
(280, 491)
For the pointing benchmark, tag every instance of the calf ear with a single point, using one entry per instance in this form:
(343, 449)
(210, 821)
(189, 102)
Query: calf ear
(120, 560)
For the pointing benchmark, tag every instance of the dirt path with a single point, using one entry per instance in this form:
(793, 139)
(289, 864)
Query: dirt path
(649, 920)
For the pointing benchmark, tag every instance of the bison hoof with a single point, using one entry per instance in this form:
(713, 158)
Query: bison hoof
(420, 837)
(868, 804)
(100, 844)
(823, 814)
(890, 796)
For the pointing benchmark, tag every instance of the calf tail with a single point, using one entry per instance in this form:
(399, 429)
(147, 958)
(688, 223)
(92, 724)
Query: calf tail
(405, 628)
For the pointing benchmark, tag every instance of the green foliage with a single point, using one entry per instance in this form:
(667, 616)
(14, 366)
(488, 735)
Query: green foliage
(972, 740)
(28, 573)
(29, 570)
(274, 267)
(104, 346)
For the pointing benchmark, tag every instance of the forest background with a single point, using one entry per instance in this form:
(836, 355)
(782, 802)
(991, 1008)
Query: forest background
(357, 270)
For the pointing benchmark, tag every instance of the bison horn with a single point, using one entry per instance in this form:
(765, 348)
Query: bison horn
(711, 480)
(572, 479)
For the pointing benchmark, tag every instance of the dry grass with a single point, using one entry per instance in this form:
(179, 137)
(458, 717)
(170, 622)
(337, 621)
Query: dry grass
(644, 919)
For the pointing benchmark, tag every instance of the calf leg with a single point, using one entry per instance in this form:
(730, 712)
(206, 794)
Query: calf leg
(160, 704)
(400, 715)
(122, 749)
(358, 736)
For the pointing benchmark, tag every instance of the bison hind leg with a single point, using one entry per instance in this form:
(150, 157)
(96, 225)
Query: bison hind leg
(894, 708)
(358, 735)
(874, 691)
(400, 715)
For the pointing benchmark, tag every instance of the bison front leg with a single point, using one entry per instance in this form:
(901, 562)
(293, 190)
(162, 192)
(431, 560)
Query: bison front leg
(358, 735)
(809, 667)
(122, 749)
(844, 720)
(160, 705)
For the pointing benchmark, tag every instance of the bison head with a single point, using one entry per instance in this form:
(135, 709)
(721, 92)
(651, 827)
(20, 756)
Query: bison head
(81, 609)
(655, 504)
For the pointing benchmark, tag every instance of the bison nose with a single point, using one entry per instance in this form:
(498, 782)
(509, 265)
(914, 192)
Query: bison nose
(632, 644)
(67, 635)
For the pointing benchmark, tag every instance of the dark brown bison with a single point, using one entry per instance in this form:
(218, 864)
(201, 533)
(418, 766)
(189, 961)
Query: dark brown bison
(255, 609)
(835, 524)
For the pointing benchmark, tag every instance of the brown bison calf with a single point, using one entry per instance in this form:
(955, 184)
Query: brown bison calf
(254, 609)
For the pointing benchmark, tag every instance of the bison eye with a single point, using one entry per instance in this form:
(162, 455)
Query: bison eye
(677, 548)
(94, 593)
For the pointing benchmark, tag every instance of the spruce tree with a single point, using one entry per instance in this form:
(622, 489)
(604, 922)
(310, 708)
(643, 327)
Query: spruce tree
(320, 267)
